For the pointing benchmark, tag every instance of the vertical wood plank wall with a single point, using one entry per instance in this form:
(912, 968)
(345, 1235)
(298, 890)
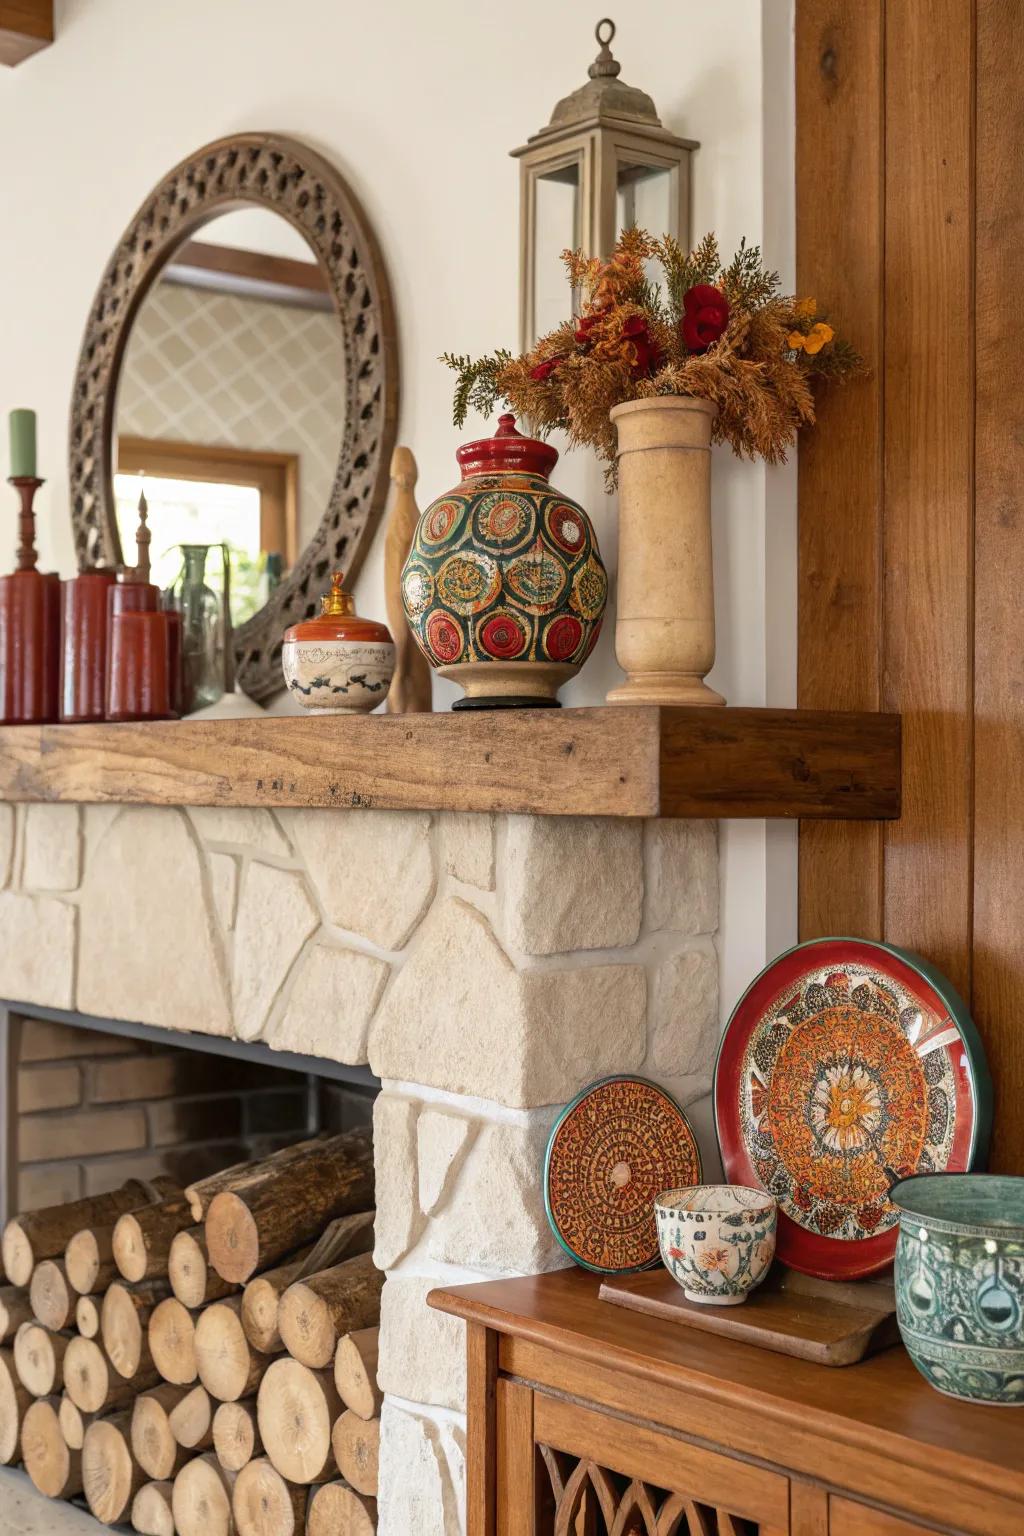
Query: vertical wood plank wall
(910, 230)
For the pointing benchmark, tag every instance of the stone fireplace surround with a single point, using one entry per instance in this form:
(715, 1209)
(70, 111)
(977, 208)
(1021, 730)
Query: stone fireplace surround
(485, 968)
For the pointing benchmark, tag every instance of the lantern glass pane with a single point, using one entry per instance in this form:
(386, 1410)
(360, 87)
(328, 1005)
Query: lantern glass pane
(557, 216)
(647, 196)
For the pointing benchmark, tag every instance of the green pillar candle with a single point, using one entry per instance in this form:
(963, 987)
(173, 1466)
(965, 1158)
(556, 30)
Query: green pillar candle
(23, 444)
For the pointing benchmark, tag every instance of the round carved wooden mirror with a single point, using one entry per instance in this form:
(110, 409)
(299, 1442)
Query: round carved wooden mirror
(195, 340)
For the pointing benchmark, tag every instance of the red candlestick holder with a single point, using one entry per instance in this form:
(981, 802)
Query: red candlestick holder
(29, 626)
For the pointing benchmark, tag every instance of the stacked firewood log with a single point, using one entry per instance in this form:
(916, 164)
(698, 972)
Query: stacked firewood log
(202, 1361)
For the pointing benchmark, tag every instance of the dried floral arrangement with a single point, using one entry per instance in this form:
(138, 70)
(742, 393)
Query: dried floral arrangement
(719, 333)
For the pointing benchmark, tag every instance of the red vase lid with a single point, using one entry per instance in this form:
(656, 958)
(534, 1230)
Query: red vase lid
(507, 451)
(338, 619)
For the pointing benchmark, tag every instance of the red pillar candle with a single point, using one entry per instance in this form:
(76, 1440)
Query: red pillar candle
(29, 647)
(137, 669)
(83, 658)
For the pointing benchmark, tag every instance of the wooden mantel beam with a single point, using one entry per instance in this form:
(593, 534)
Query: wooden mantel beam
(571, 762)
(26, 26)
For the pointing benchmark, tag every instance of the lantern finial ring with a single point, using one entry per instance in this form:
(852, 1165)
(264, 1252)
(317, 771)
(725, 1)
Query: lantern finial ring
(605, 41)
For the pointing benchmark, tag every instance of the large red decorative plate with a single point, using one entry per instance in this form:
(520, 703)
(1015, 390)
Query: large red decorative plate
(845, 1066)
(613, 1150)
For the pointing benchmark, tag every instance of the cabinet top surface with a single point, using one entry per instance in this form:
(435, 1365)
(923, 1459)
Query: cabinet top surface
(882, 1403)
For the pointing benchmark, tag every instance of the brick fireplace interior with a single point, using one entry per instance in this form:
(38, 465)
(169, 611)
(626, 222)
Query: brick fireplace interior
(93, 1102)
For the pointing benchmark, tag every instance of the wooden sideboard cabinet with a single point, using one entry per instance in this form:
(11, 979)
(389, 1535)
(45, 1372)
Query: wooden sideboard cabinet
(587, 1420)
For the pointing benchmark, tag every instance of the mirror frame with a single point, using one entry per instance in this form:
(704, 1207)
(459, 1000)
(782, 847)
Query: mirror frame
(280, 174)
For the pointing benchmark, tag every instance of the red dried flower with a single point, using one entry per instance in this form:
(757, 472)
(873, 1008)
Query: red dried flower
(648, 353)
(584, 325)
(705, 316)
(546, 369)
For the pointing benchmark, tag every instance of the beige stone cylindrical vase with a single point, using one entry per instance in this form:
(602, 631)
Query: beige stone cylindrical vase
(665, 623)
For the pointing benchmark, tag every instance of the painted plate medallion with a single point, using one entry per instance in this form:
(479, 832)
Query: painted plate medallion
(613, 1150)
(847, 1065)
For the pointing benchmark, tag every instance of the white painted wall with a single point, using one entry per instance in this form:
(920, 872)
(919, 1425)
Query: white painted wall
(418, 105)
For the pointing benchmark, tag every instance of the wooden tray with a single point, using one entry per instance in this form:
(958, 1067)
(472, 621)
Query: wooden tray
(826, 1321)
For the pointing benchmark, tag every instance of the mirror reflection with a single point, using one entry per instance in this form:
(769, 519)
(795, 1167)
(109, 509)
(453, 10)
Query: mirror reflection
(231, 405)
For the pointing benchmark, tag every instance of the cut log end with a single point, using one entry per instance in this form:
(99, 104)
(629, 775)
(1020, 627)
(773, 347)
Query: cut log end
(232, 1237)
(110, 1474)
(54, 1468)
(89, 1260)
(236, 1436)
(130, 1249)
(296, 1409)
(50, 1295)
(193, 1280)
(15, 1309)
(229, 1367)
(335, 1509)
(265, 1504)
(18, 1257)
(356, 1445)
(121, 1325)
(39, 1358)
(15, 1400)
(87, 1317)
(87, 1375)
(73, 1423)
(201, 1501)
(355, 1372)
(317, 1311)
(192, 1420)
(152, 1439)
(151, 1510)
(172, 1341)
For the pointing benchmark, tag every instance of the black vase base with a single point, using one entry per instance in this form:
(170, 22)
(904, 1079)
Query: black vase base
(507, 701)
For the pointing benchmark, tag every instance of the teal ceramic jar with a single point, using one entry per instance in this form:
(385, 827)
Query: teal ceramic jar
(960, 1282)
(504, 588)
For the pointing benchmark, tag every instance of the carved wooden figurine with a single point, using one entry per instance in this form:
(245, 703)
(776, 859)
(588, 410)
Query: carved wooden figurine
(411, 687)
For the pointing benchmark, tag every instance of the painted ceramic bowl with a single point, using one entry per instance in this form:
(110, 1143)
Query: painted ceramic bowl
(717, 1240)
(338, 663)
(504, 588)
(960, 1283)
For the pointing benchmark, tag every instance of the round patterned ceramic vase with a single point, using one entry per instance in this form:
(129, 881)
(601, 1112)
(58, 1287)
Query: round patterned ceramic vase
(717, 1240)
(611, 1153)
(504, 588)
(848, 1065)
(960, 1283)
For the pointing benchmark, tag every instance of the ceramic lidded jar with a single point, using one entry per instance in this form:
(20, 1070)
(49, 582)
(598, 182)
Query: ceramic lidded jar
(504, 587)
(338, 663)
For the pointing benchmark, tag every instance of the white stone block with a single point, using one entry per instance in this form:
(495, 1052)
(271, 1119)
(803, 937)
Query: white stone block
(469, 847)
(684, 1013)
(681, 874)
(241, 827)
(416, 1493)
(331, 1002)
(442, 1141)
(224, 885)
(373, 870)
(53, 848)
(571, 883)
(495, 1220)
(37, 950)
(399, 1218)
(422, 1352)
(459, 1016)
(150, 947)
(276, 916)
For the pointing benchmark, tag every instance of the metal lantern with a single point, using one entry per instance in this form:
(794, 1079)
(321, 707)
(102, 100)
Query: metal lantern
(602, 164)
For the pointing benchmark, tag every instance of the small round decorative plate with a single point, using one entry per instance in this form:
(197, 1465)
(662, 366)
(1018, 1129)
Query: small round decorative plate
(845, 1066)
(612, 1151)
